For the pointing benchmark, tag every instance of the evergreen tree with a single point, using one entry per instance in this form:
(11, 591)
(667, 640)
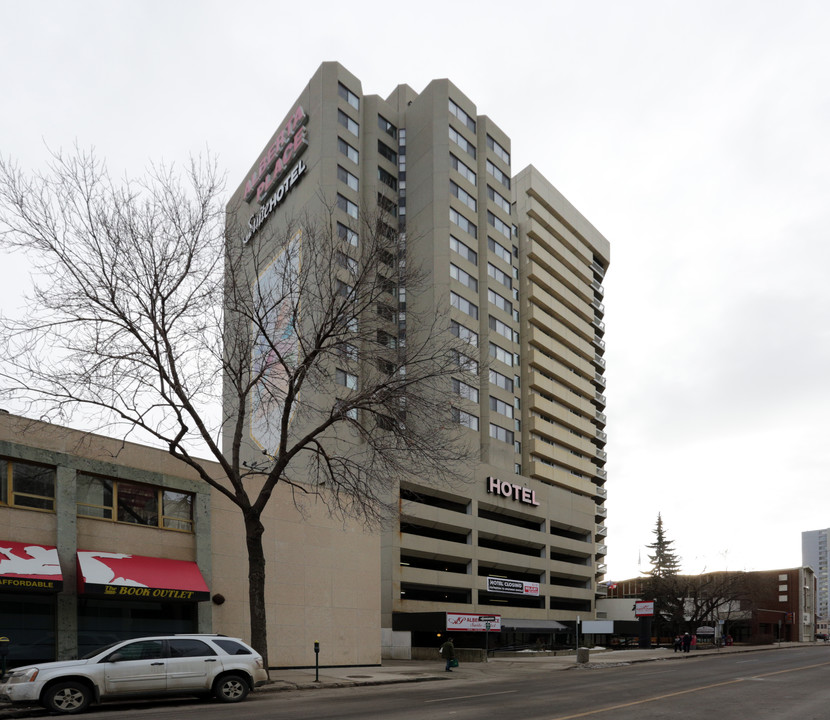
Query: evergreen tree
(665, 562)
(665, 586)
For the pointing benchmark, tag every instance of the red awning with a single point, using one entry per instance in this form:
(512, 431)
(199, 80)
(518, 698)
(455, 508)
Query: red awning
(139, 577)
(27, 567)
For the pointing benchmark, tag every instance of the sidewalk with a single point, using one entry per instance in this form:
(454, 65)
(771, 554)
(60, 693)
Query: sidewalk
(398, 671)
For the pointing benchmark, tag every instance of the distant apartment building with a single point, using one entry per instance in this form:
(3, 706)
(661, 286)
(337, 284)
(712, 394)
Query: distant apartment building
(814, 555)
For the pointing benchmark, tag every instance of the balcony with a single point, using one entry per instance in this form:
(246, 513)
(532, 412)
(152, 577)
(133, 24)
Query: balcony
(601, 492)
(598, 269)
(601, 454)
(597, 286)
(602, 588)
(602, 568)
(600, 473)
(600, 399)
(599, 342)
(601, 417)
(599, 360)
(601, 550)
(602, 531)
(600, 380)
(600, 513)
(598, 324)
(597, 305)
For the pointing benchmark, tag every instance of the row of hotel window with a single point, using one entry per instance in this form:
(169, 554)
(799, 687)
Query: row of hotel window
(27, 485)
(455, 110)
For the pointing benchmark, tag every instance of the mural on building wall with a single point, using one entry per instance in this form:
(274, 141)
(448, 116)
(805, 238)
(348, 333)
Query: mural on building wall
(276, 348)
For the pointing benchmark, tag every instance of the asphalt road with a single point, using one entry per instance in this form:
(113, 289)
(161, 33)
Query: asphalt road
(780, 685)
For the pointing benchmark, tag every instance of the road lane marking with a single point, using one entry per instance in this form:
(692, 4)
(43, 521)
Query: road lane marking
(685, 692)
(467, 697)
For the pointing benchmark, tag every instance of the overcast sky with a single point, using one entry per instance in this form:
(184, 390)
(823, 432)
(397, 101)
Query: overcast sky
(695, 136)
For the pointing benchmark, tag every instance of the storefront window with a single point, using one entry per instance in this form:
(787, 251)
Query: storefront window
(27, 485)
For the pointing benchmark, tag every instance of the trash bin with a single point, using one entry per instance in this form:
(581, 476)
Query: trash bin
(582, 655)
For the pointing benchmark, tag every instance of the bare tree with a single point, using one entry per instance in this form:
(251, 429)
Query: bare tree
(149, 309)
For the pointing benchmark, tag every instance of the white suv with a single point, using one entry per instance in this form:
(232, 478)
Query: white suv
(166, 664)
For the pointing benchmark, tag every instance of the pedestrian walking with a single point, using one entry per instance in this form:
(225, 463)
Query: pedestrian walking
(447, 651)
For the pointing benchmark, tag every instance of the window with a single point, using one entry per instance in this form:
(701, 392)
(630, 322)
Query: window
(123, 501)
(501, 407)
(464, 390)
(465, 362)
(388, 179)
(499, 276)
(502, 381)
(387, 205)
(188, 647)
(464, 305)
(348, 150)
(347, 234)
(27, 485)
(465, 418)
(456, 273)
(464, 250)
(462, 222)
(500, 302)
(463, 169)
(348, 123)
(348, 96)
(462, 116)
(345, 176)
(463, 196)
(347, 262)
(498, 150)
(387, 340)
(385, 151)
(341, 377)
(498, 352)
(499, 199)
(387, 127)
(386, 312)
(347, 351)
(344, 290)
(232, 647)
(498, 174)
(500, 433)
(347, 206)
(499, 224)
(142, 650)
(499, 250)
(341, 407)
(462, 142)
(501, 328)
(463, 333)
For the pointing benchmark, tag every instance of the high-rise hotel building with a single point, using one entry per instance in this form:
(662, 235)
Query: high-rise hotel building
(515, 271)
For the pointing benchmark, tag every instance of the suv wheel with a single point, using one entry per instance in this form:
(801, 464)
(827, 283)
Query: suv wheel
(231, 688)
(67, 698)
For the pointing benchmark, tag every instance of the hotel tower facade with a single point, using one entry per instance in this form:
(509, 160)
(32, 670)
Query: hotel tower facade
(517, 272)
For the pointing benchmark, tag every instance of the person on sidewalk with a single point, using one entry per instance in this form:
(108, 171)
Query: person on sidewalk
(447, 651)
(678, 643)
(687, 643)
